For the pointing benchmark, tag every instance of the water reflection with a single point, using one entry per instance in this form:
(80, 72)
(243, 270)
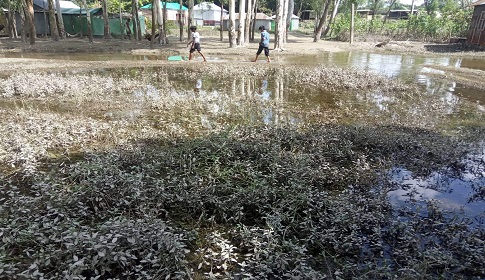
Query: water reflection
(411, 68)
(457, 193)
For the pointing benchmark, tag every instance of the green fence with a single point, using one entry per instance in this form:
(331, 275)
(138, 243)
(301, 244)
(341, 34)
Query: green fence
(74, 23)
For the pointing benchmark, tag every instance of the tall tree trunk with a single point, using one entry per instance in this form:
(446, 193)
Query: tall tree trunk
(279, 25)
(232, 31)
(242, 22)
(291, 7)
(12, 25)
(255, 14)
(163, 30)
(154, 22)
(191, 18)
(23, 21)
(336, 5)
(88, 21)
(30, 16)
(284, 20)
(159, 22)
(60, 20)
(104, 5)
(136, 20)
(134, 13)
(53, 22)
(181, 22)
(321, 23)
(248, 21)
(221, 22)
(122, 27)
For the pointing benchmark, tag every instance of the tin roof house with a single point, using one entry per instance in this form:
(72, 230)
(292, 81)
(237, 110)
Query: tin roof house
(207, 13)
(476, 32)
(261, 19)
(173, 11)
(41, 15)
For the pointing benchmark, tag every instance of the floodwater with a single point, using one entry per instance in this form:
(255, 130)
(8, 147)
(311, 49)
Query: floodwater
(459, 193)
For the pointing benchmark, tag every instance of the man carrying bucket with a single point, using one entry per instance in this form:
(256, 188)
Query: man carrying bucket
(195, 43)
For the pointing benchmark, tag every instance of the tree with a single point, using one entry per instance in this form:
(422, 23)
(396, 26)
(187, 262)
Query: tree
(60, 20)
(154, 21)
(88, 21)
(29, 12)
(12, 27)
(232, 14)
(104, 6)
(248, 21)
(221, 22)
(191, 18)
(322, 20)
(181, 22)
(242, 22)
(336, 6)
(23, 20)
(136, 20)
(291, 7)
(53, 22)
(163, 29)
(278, 43)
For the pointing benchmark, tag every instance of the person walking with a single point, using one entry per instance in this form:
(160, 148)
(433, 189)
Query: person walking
(264, 44)
(195, 43)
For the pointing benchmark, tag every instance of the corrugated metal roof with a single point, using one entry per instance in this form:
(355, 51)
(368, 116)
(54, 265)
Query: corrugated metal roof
(258, 16)
(208, 6)
(478, 3)
(170, 6)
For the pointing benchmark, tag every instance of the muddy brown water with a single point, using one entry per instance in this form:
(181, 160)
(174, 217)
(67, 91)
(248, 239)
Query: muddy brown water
(456, 193)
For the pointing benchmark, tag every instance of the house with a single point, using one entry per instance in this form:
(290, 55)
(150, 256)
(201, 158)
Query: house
(173, 12)
(294, 23)
(41, 15)
(207, 13)
(3, 22)
(401, 14)
(75, 20)
(308, 15)
(261, 19)
(476, 32)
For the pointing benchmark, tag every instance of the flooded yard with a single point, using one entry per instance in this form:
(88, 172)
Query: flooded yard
(328, 166)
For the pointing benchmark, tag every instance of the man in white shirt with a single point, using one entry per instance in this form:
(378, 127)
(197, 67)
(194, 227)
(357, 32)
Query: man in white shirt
(195, 43)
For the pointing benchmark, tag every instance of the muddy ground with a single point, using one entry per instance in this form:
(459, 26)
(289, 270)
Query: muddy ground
(214, 49)
(104, 176)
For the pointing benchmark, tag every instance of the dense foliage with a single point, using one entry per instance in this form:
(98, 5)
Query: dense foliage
(260, 203)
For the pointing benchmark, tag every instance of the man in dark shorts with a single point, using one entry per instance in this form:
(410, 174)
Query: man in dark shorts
(195, 43)
(264, 44)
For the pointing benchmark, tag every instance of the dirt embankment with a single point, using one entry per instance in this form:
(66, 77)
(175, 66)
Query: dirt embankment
(296, 44)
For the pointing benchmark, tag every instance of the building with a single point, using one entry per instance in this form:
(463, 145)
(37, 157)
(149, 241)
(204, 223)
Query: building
(208, 14)
(294, 23)
(476, 32)
(75, 20)
(261, 19)
(173, 12)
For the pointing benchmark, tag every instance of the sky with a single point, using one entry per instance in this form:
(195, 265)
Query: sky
(409, 2)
